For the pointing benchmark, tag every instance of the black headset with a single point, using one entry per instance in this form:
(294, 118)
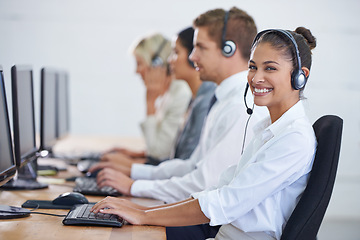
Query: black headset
(156, 60)
(298, 77)
(228, 47)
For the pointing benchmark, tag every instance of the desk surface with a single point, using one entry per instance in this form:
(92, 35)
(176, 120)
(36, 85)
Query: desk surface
(50, 227)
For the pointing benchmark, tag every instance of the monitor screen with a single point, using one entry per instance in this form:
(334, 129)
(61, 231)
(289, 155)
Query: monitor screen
(7, 163)
(23, 114)
(48, 109)
(63, 111)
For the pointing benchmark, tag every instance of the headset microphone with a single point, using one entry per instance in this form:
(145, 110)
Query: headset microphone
(248, 110)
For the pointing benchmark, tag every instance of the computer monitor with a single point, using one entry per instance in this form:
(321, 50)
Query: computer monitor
(7, 161)
(48, 112)
(54, 114)
(63, 105)
(48, 118)
(26, 151)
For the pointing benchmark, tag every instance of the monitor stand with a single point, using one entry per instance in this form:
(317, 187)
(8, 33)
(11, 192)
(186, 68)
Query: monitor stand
(10, 212)
(23, 184)
(25, 179)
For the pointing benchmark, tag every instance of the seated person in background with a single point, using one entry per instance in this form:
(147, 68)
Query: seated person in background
(255, 198)
(166, 99)
(202, 92)
(224, 132)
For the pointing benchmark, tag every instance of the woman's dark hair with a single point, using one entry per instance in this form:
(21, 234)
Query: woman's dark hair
(304, 40)
(186, 37)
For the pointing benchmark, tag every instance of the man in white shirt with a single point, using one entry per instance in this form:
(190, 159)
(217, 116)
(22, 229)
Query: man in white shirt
(221, 55)
(225, 125)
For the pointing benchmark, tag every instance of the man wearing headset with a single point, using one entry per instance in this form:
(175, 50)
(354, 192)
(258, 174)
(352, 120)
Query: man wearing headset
(222, 45)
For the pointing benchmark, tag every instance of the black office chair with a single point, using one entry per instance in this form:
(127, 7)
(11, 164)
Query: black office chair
(305, 220)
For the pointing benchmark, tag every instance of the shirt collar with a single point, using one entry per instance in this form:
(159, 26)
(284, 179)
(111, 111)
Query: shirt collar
(230, 83)
(295, 112)
(205, 87)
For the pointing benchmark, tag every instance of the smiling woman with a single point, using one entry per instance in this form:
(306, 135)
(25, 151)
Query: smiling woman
(268, 77)
(276, 61)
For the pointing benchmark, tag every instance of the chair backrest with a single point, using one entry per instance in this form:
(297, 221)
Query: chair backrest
(305, 220)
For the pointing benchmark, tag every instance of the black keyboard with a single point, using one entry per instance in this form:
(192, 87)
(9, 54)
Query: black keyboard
(88, 186)
(80, 215)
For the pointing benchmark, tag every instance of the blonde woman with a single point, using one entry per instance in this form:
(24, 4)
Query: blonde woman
(166, 99)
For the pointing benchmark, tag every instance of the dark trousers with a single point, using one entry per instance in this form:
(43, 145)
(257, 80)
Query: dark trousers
(197, 232)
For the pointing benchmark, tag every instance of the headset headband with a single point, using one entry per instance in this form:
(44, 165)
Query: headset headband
(223, 36)
(228, 47)
(156, 59)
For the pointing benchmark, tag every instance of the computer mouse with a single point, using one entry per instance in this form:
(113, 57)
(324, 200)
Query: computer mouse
(70, 198)
(84, 165)
(93, 174)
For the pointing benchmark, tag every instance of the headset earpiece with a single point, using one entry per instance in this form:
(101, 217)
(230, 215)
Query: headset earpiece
(298, 79)
(156, 60)
(228, 47)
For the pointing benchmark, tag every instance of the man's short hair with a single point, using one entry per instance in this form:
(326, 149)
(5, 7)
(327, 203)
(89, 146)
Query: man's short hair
(241, 28)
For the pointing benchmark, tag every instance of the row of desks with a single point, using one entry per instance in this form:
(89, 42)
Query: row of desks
(51, 227)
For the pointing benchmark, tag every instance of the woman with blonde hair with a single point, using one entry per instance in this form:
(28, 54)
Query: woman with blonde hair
(166, 99)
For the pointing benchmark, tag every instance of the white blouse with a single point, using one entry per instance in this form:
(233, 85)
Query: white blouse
(160, 129)
(260, 193)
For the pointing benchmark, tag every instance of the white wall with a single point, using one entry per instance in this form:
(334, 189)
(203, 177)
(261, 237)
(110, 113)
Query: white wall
(91, 38)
